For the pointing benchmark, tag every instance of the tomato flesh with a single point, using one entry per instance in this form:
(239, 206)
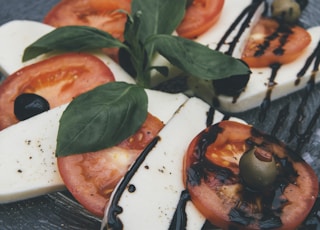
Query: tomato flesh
(200, 16)
(57, 79)
(271, 43)
(91, 177)
(220, 195)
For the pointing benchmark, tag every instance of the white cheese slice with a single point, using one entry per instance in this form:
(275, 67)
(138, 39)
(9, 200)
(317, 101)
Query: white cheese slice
(16, 35)
(27, 149)
(158, 180)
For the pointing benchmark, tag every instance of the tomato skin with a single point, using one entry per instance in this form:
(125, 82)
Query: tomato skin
(91, 177)
(220, 190)
(199, 17)
(57, 79)
(298, 39)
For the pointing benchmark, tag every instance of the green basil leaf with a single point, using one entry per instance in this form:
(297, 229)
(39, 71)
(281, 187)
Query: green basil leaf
(197, 59)
(101, 118)
(71, 38)
(158, 16)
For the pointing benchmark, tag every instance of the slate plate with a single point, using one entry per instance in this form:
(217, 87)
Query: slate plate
(60, 211)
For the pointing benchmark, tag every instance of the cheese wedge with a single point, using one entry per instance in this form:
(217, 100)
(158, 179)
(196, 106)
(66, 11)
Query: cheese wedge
(27, 149)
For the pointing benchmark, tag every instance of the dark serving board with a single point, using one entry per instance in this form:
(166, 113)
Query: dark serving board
(60, 211)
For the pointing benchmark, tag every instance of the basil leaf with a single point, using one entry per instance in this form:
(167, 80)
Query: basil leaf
(158, 16)
(101, 118)
(197, 59)
(71, 38)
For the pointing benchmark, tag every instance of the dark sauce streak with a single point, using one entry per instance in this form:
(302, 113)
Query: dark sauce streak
(265, 105)
(283, 114)
(315, 55)
(179, 220)
(295, 129)
(113, 221)
(248, 12)
(210, 116)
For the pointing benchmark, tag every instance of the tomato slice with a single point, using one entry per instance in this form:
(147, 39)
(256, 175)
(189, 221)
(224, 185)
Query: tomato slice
(213, 179)
(199, 17)
(91, 177)
(57, 79)
(104, 15)
(271, 43)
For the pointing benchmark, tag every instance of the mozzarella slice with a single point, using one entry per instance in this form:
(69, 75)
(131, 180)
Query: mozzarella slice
(157, 181)
(16, 35)
(27, 157)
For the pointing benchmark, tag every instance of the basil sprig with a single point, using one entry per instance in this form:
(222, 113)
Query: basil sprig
(110, 113)
(144, 35)
(101, 118)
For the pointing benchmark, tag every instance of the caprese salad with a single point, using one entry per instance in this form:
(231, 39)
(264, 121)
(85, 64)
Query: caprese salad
(93, 150)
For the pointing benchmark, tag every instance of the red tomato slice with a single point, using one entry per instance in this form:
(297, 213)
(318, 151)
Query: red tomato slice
(265, 45)
(213, 179)
(199, 17)
(91, 177)
(96, 13)
(104, 15)
(57, 79)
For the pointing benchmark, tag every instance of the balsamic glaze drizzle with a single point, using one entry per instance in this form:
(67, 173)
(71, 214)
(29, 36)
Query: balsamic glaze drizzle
(280, 119)
(113, 222)
(315, 55)
(247, 13)
(265, 105)
(295, 129)
(179, 220)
